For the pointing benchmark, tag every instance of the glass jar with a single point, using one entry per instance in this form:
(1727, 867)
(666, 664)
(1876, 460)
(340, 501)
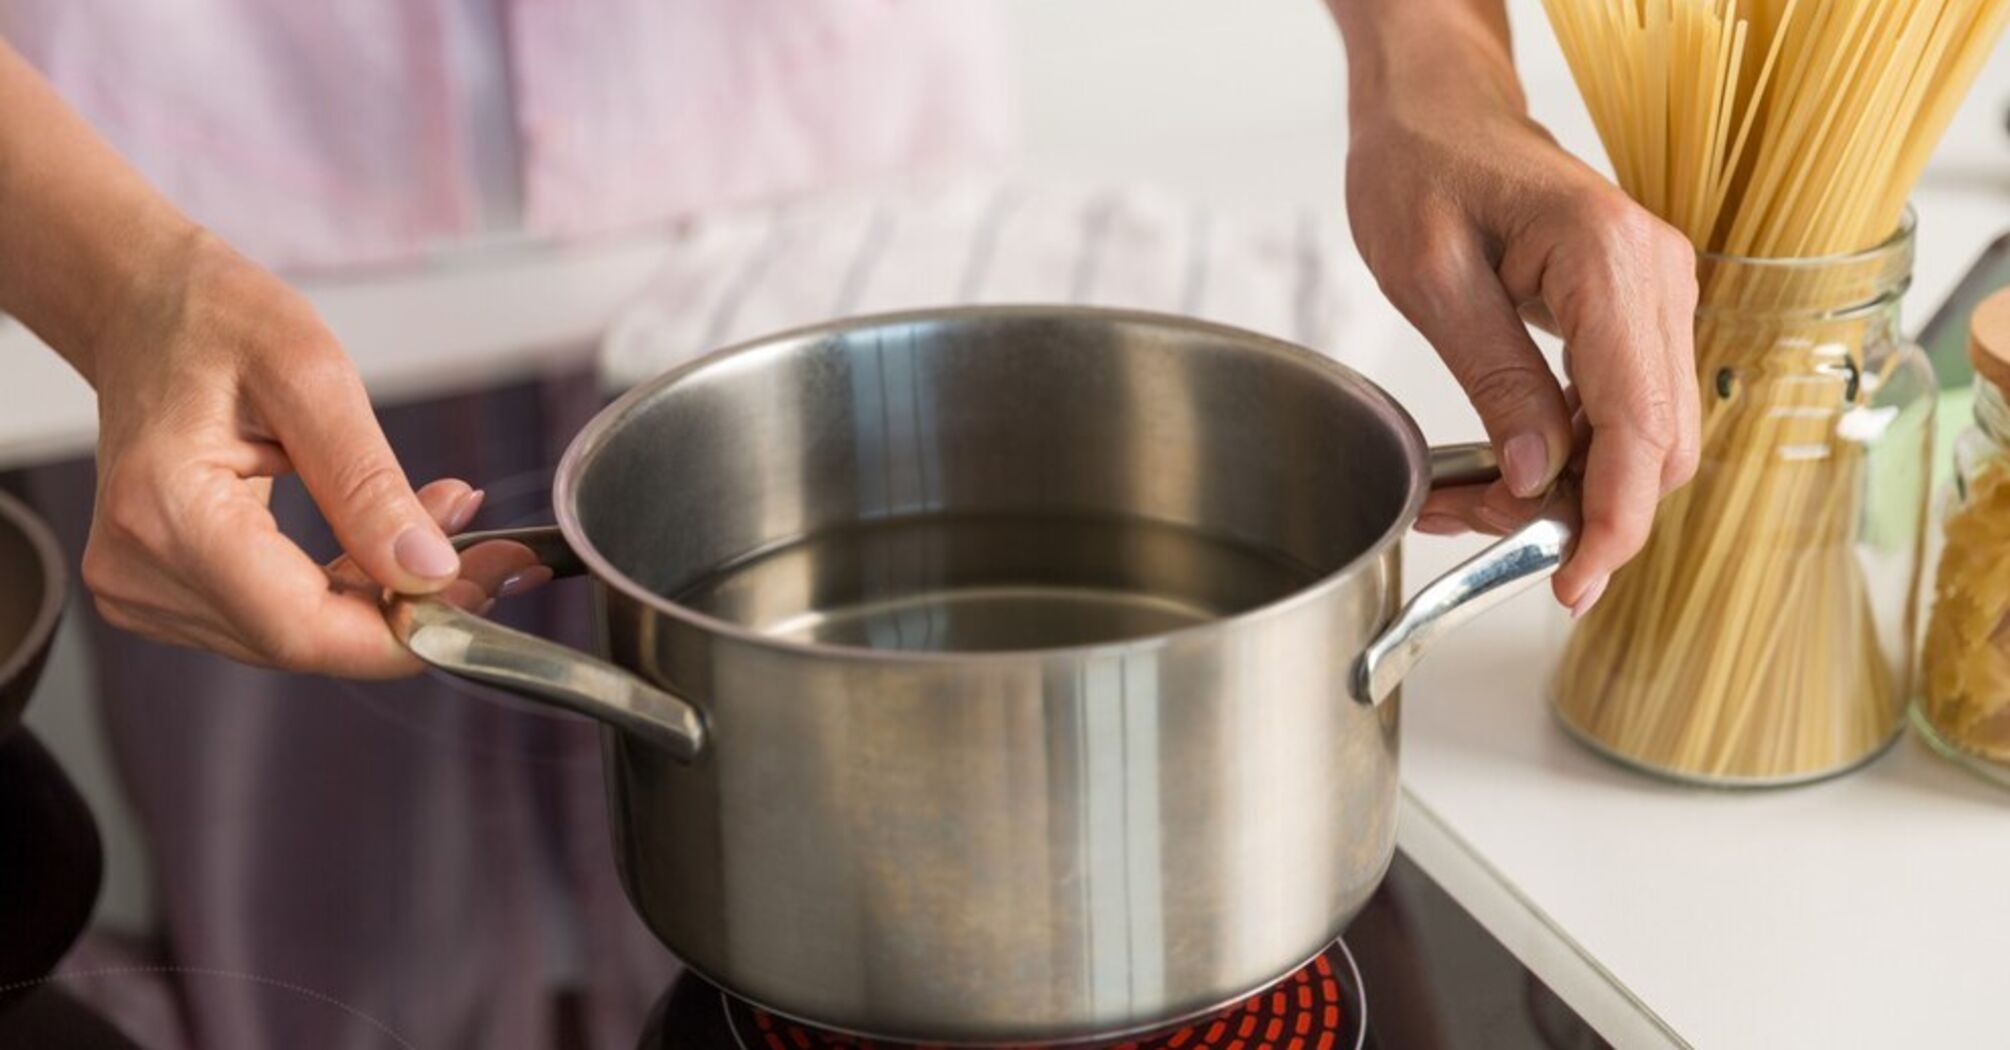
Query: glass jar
(1963, 705)
(1766, 634)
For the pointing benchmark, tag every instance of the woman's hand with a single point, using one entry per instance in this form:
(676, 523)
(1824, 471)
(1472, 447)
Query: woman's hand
(212, 378)
(1472, 219)
(214, 382)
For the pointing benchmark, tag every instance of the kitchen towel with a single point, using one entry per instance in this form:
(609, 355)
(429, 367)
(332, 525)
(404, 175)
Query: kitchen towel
(1285, 272)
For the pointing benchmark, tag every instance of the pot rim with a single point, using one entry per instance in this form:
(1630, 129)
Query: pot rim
(587, 444)
(15, 514)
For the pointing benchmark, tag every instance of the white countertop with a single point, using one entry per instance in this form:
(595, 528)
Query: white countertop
(1868, 911)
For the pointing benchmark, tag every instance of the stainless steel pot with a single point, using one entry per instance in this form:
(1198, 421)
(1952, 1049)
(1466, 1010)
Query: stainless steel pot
(994, 674)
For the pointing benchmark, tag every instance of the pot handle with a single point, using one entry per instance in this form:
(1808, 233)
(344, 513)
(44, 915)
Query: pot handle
(465, 645)
(1521, 560)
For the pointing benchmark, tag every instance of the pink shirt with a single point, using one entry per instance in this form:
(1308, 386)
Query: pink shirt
(317, 134)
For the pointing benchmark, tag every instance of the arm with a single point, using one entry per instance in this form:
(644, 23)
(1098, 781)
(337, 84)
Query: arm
(1471, 218)
(212, 377)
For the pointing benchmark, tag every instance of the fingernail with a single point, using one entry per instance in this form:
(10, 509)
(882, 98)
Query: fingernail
(523, 580)
(1525, 464)
(464, 510)
(425, 554)
(1440, 525)
(1589, 598)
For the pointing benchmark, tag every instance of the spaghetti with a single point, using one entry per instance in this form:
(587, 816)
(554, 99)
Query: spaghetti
(1783, 137)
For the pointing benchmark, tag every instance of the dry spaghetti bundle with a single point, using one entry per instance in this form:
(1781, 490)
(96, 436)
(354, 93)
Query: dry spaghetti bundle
(1749, 642)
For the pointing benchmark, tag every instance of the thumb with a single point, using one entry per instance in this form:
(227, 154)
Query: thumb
(322, 416)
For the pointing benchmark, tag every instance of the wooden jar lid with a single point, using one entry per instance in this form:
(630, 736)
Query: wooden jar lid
(1989, 340)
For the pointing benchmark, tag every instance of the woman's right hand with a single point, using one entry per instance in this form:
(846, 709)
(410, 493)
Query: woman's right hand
(215, 380)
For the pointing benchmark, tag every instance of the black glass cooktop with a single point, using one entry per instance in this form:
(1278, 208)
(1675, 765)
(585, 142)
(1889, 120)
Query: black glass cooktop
(1414, 971)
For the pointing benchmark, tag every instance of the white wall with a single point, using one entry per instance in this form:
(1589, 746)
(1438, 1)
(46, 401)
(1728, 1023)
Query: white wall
(1237, 101)
(1240, 102)
(1243, 102)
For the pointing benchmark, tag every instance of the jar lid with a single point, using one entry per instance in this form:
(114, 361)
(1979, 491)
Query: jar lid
(1989, 339)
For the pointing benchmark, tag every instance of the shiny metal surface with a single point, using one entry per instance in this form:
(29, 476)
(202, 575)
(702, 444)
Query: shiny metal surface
(1468, 463)
(31, 603)
(1024, 643)
(455, 640)
(1523, 559)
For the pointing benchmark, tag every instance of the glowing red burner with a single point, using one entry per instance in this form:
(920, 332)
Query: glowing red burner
(1308, 1010)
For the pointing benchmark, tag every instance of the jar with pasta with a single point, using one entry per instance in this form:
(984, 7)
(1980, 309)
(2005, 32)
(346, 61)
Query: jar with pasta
(1766, 633)
(1964, 697)
(1765, 636)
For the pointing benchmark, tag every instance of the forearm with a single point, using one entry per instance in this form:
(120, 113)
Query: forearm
(81, 233)
(1401, 50)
